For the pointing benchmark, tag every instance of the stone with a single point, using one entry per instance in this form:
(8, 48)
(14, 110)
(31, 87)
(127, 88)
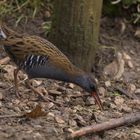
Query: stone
(102, 91)
(107, 83)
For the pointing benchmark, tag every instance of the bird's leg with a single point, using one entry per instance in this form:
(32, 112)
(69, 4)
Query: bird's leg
(16, 81)
(39, 93)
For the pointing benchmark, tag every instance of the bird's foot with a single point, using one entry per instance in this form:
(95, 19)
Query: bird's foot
(46, 99)
(37, 91)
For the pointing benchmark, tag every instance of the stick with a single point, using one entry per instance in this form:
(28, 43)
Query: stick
(4, 60)
(113, 123)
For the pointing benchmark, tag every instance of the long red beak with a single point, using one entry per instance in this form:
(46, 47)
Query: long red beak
(97, 99)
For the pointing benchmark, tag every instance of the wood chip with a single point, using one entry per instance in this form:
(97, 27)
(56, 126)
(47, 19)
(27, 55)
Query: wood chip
(1, 96)
(59, 120)
(54, 92)
(107, 83)
(126, 56)
(119, 100)
(130, 64)
(71, 85)
(102, 91)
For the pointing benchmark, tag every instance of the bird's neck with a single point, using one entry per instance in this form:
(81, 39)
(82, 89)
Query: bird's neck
(76, 77)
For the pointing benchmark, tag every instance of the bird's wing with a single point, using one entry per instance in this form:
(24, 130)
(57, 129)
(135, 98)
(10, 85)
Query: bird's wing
(41, 51)
(34, 50)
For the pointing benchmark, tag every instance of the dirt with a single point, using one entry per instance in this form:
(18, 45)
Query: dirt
(75, 112)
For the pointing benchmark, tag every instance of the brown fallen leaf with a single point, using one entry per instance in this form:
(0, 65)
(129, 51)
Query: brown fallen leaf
(36, 112)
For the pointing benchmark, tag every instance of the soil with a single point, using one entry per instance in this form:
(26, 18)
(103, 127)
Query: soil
(76, 111)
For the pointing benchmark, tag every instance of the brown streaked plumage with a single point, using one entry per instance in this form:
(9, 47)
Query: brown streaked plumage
(41, 59)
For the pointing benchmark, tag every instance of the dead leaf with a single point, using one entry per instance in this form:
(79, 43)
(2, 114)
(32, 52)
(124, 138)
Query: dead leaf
(130, 64)
(102, 91)
(71, 85)
(119, 100)
(10, 70)
(126, 56)
(107, 83)
(137, 33)
(54, 92)
(35, 113)
(111, 69)
(59, 120)
(116, 68)
(121, 63)
(4, 61)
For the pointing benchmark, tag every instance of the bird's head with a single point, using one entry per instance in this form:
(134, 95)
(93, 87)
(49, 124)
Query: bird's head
(88, 82)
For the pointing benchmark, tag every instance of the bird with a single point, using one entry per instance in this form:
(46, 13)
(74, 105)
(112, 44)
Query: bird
(39, 58)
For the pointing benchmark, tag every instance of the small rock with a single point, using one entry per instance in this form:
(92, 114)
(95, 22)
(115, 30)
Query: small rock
(36, 83)
(126, 56)
(50, 114)
(54, 92)
(90, 101)
(107, 83)
(71, 85)
(126, 109)
(102, 91)
(131, 88)
(137, 91)
(59, 120)
(130, 64)
(1, 96)
(50, 105)
(119, 100)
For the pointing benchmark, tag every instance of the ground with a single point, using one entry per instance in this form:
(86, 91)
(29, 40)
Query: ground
(76, 110)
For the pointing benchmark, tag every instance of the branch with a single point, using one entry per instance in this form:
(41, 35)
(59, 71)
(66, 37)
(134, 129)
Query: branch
(113, 123)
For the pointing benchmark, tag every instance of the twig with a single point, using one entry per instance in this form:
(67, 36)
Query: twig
(113, 123)
(4, 60)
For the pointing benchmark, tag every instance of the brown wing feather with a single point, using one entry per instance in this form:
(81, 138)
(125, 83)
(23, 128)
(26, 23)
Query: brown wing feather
(38, 46)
